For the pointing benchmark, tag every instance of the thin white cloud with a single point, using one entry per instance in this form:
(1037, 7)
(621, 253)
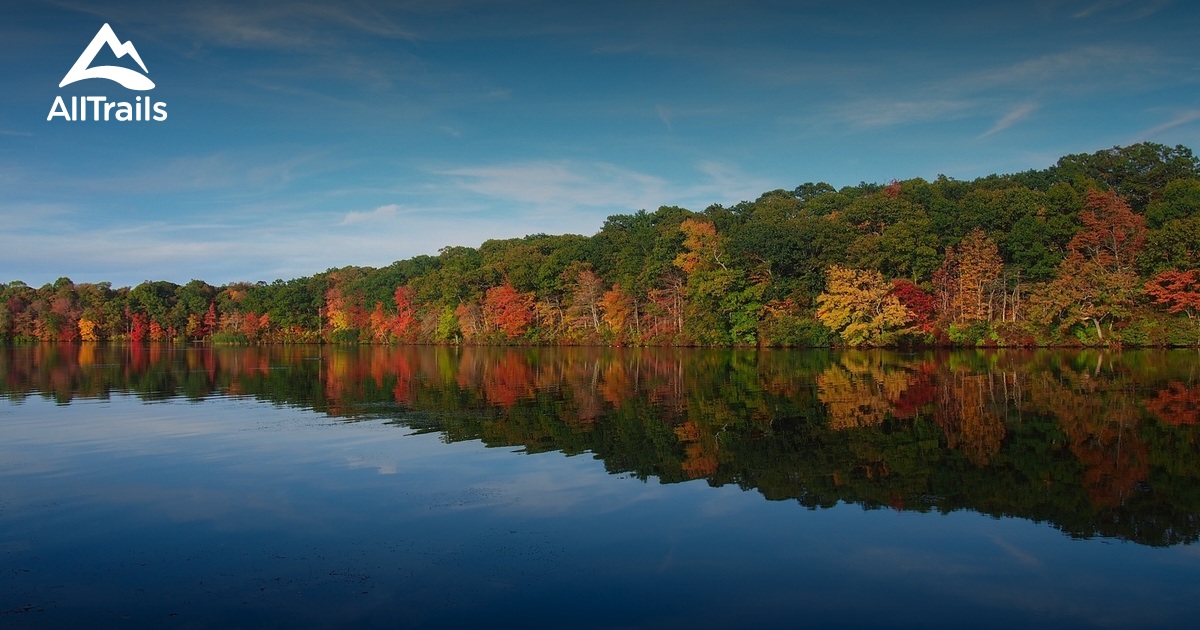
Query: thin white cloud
(1069, 70)
(561, 185)
(210, 172)
(243, 246)
(887, 113)
(1013, 117)
(34, 216)
(1179, 120)
(1097, 7)
(291, 26)
(1121, 10)
(540, 189)
(664, 114)
(725, 184)
(382, 213)
(1066, 74)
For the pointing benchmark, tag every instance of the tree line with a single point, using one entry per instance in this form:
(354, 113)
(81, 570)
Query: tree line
(1098, 249)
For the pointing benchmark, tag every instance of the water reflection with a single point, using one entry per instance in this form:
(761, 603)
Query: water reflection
(1097, 444)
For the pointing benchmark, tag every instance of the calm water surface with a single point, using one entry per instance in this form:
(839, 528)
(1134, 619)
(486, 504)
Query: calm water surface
(436, 487)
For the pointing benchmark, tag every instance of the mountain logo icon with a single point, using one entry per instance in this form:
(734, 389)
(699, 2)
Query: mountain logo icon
(82, 69)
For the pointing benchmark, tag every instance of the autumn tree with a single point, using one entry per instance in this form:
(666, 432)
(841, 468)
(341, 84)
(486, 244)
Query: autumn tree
(1178, 291)
(1084, 293)
(211, 319)
(617, 306)
(704, 247)
(1112, 235)
(860, 306)
(88, 329)
(337, 311)
(467, 318)
(139, 327)
(508, 309)
(253, 326)
(586, 293)
(405, 324)
(920, 304)
(1096, 283)
(966, 281)
(380, 324)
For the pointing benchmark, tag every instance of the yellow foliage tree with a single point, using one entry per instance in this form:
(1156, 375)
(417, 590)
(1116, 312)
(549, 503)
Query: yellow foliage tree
(704, 247)
(87, 330)
(859, 305)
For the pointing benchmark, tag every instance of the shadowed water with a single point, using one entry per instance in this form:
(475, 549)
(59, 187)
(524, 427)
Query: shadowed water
(431, 486)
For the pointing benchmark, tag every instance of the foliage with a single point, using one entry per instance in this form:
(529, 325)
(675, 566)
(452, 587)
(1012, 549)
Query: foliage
(1069, 254)
(1178, 291)
(861, 307)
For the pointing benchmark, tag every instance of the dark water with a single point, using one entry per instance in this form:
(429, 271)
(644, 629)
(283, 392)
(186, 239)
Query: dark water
(440, 487)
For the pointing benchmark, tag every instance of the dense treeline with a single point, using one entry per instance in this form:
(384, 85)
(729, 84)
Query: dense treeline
(1099, 249)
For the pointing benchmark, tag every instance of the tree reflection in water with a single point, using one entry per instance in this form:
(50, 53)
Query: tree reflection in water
(1097, 444)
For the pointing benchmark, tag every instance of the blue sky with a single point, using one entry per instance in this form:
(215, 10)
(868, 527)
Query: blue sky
(303, 136)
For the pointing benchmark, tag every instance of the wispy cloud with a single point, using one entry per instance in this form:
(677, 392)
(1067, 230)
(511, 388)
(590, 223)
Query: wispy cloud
(885, 113)
(1121, 10)
(246, 242)
(561, 185)
(1013, 117)
(288, 25)
(1069, 70)
(664, 114)
(382, 213)
(212, 172)
(1179, 120)
(583, 188)
(725, 183)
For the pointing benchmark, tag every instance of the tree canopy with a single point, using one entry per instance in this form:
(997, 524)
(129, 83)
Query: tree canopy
(1072, 254)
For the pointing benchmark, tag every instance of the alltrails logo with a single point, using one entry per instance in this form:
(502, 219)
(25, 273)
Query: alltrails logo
(99, 107)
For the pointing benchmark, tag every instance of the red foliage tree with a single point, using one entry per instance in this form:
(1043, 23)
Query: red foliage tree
(139, 327)
(508, 309)
(893, 189)
(404, 325)
(379, 325)
(252, 325)
(1112, 234)
(1179, 291)
(920, 304)
(211, 320)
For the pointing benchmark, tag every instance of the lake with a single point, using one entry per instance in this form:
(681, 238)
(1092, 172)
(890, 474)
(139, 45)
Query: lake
(302, 486)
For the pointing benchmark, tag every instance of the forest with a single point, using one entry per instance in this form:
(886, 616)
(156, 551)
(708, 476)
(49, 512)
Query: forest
(1100, 249)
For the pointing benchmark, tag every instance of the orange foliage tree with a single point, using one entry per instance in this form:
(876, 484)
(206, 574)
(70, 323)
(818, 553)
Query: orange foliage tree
(586, 293)
(1178, 291)
(508, 309)
(87, 330)
(1096, 282)
(705, 247)
(967, 277)
(380, 324)
(618, 309)
(405, 324)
